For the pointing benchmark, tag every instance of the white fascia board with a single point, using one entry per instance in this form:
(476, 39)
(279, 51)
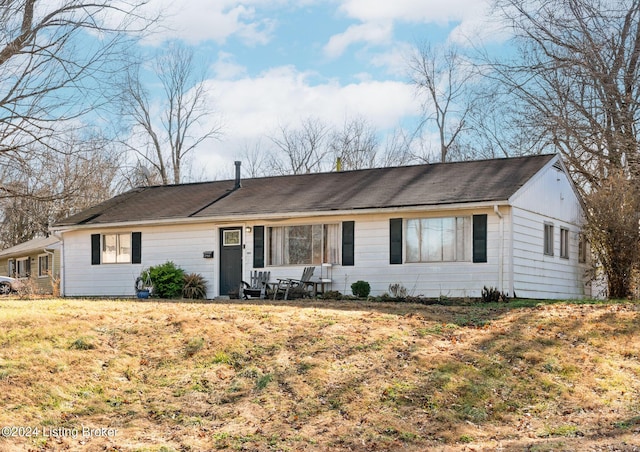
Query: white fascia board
(283, 216)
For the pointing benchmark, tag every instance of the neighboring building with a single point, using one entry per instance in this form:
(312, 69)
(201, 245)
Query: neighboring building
(37, 259)
(439, 230)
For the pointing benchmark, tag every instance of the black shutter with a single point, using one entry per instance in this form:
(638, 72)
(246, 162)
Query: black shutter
(480, 238)
(95, 249)
(136, 247)
(348, 242)
(395, 235)
(258, 247)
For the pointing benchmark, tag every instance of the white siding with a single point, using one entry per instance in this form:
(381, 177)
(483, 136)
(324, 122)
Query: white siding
(547, 198)
(371, 257)
(183, 244)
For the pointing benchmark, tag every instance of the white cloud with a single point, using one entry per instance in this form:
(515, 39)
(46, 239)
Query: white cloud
(226, 67)
(370, 33)
(196, 21)
(254, 108)
(437, 11)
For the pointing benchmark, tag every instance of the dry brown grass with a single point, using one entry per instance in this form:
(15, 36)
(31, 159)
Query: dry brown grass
(319, 376)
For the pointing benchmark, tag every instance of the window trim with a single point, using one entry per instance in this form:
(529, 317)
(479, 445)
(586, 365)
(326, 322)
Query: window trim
(548, 239)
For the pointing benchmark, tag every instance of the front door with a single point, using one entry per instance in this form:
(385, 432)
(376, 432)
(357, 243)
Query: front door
(230, 260)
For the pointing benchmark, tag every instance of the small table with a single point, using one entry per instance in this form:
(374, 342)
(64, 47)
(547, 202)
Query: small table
(318, 286)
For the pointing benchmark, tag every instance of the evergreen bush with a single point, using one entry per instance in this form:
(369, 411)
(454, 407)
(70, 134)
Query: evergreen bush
(361, 289)
(167, 280)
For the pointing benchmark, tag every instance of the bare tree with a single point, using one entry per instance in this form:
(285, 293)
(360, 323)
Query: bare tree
(397, 149)
(442, 79)
(356, 144)
(185, 118)
(50, 185)
(48, 73)
(578, 81)
(255, 161)
(613, 231)
(301, 150)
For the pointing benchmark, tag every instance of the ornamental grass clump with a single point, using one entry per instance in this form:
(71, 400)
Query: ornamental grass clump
(195, 286)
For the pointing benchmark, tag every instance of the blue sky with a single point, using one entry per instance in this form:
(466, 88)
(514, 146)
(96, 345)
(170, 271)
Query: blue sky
(275, 62)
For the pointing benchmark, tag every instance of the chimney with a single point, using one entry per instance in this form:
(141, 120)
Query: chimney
(237, 184)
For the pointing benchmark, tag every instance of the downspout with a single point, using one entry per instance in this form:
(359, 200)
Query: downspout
(61, 275)
(496, 210)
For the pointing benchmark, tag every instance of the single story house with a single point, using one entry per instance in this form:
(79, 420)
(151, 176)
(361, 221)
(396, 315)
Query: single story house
(444, 229)
(37, 259)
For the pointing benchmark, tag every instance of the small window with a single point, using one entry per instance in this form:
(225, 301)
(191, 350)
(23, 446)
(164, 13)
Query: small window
(548, 239)
(583, 246)
(116, 248)
(564, 243)
(23, 268)
(231, 238)
(43, 265)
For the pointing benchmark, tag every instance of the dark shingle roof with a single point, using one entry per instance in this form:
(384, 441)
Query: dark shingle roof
(419, 185)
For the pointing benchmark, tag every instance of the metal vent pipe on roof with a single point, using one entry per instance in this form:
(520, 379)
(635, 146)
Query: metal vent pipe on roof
(237, 184)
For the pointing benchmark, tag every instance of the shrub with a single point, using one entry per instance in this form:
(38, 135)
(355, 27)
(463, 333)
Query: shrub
(361, 289)
(167, 280)
(331, 295)
(398, 290)
(195, 287)
(493, 295)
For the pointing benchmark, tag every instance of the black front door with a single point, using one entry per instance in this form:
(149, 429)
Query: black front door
(230, 260)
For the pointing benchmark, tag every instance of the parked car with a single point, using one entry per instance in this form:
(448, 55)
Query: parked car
(8, 285)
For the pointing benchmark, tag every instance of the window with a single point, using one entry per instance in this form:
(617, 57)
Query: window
(23, 268)
(564, 243)
(43, 265)
(116, 248)
(548, 239)
(583, 247)
(231, 238)
(439, 239)
(303, 245)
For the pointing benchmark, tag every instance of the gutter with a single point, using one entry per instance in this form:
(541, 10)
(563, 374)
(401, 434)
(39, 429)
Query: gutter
(283, 216)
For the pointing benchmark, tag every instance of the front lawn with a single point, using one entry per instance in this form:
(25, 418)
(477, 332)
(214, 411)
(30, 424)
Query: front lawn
(318, 375)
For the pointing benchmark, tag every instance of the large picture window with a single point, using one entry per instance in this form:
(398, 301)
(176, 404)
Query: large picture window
(116, 248)
(439, 239)
(303, 245)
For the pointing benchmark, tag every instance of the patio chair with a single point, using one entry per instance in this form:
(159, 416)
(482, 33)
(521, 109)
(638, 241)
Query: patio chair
(303, 286)
(257, 287)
